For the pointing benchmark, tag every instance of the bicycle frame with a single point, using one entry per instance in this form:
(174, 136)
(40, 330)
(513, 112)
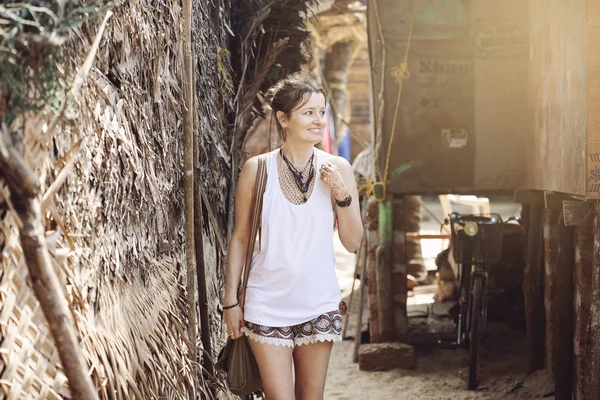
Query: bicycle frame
(478, 270)
(466, 298)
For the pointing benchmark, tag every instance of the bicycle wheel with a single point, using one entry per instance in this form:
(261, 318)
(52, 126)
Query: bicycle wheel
(474, 332)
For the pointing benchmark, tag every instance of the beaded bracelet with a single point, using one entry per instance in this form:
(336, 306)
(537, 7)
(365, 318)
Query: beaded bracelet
(228, 307)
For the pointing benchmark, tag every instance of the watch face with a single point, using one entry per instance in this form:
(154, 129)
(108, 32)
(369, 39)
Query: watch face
(346, 202)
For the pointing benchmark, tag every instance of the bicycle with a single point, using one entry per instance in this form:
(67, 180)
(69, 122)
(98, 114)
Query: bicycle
(476, 244)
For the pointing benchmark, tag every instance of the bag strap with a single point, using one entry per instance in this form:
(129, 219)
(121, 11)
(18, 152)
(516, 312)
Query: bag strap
(255, 217)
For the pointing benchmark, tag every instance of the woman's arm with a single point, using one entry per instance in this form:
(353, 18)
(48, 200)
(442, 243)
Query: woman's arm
(238, 245)
(338, 174)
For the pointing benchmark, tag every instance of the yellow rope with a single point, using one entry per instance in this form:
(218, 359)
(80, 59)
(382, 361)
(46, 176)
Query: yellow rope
(365, 186)
(399, 73)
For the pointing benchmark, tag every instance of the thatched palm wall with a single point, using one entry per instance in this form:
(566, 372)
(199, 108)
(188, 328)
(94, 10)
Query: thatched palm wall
(115, 229)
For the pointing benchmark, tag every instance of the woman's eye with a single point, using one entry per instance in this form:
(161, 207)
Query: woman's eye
(308, 113)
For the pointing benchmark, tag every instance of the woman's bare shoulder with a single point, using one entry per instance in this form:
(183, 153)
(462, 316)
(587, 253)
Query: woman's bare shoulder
(249, 170)
(338, 161)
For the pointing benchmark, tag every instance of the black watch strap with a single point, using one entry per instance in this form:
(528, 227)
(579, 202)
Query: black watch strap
(344, 203)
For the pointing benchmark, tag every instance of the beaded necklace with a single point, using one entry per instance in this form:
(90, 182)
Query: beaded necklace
(298, 175)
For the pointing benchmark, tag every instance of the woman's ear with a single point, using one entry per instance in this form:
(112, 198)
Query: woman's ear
(282, 118)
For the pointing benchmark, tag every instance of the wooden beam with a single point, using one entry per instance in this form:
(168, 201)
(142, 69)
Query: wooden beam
(564, 313)
(533, 289)
(529, 196)
(549, 199)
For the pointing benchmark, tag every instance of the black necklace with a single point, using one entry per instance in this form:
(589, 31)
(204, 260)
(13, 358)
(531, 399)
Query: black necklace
(298, 175)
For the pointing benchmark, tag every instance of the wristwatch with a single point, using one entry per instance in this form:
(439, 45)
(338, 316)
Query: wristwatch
(344, 203)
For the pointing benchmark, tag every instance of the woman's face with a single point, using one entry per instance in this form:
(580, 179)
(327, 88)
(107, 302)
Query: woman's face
(306, 124)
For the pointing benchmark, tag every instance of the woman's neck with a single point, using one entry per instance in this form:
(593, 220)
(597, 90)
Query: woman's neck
(298, 153)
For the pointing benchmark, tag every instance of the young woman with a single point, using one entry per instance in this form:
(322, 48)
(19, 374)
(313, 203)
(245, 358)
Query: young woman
(292, 311)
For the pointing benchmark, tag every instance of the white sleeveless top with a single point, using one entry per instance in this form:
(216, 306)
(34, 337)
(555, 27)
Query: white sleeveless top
(292, 279)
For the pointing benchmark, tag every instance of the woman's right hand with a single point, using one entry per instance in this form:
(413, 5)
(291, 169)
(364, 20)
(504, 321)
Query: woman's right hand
(234, 319)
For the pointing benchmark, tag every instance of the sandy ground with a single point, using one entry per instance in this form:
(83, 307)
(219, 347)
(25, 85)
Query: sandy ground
(440, 373)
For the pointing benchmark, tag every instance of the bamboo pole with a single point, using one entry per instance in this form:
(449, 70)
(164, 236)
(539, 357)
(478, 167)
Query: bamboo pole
(188, 180)
(205, 334)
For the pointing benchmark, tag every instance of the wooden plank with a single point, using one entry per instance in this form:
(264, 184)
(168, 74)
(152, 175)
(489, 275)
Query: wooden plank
(499, 31)
(564, 313)
(593, 100)
(437, 96)
(584, 259)
(533, 289)
(434, 123)
(557, 85)
(551, 247)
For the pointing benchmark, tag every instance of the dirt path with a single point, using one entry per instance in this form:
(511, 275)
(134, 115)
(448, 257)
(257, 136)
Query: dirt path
(440, 374)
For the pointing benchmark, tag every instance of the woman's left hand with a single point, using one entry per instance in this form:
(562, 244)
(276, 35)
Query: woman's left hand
(332, 177)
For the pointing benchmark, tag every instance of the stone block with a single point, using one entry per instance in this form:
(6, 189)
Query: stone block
(386, 356)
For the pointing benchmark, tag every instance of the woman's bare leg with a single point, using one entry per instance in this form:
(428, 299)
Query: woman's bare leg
(310, 365)
(275, 365)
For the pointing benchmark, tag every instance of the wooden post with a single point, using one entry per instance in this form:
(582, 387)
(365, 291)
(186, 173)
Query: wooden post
(533, 288)
(550, 228)
(357, 264)
(384, 271)
(361, 300)
(399, 286)
(584, 248)
(564, 312)
(592, 372)
(405, 218)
